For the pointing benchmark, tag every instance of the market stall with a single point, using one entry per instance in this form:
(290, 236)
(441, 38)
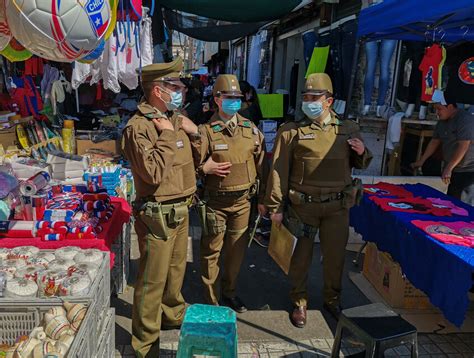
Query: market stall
(429, 234)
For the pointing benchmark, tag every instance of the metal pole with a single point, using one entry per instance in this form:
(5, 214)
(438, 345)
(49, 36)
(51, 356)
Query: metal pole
(355, 60)
(77, 98)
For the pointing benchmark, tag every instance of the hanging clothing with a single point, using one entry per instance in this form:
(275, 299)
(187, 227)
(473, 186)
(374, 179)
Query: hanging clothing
(58, 94)
(50, 75)
(34, 66)
(253, 69)
(26, 96)
(431, 67)
(461, 91)
(127, 50)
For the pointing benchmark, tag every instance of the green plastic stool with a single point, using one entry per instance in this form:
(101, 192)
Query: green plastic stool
(208, 330)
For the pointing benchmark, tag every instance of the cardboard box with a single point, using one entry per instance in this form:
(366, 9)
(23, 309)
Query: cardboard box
(8, 137)
(83, 145)
(387, 278)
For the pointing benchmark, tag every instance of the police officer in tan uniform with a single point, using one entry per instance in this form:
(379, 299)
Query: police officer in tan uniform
(230, 159)
(156, 141)
(310, 189)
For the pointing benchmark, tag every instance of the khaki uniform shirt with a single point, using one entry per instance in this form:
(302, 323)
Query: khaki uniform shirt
(313, 159)
(161, 163)
(230, 140)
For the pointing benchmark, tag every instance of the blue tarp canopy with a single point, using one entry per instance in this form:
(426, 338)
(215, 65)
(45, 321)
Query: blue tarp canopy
(420, 20)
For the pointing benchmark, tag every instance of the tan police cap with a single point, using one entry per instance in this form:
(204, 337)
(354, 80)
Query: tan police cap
(170, 71)
(318, 84)
(227, 85)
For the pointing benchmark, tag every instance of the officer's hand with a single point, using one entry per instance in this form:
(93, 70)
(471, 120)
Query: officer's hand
(262, 210)
(357, 145)
(213, 168)
(277, 218)
(188, 126)
(162, 123)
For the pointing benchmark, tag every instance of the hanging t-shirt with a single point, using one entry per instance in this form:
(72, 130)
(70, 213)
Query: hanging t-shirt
(410, 205)
(454, 233)
(387, 189)
(431, 67)
(456, 88)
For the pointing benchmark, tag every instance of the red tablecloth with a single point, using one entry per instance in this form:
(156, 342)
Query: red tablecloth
(106, 238)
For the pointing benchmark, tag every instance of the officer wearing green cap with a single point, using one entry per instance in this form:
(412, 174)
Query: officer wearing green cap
(310, 189)
(230, 160)
(156, 141)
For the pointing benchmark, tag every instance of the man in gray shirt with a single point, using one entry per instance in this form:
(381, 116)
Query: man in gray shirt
(455, 133)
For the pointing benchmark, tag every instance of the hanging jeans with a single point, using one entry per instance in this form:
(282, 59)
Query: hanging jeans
(309, 42)
(375, 50)
(342, 41)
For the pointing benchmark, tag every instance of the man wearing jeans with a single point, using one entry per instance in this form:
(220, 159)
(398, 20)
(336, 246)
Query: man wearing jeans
(455, 133)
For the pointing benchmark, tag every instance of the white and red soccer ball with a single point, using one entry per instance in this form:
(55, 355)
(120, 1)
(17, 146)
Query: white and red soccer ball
(59, 30)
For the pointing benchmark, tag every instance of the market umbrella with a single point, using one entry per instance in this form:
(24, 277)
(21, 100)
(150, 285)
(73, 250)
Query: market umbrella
(234, 10)
(206, 29)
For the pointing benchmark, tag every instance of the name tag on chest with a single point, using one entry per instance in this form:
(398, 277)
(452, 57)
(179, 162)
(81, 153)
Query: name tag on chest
(221, 146)
(180, 144)
(307, 136)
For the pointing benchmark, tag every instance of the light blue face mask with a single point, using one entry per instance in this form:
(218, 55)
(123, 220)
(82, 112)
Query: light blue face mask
(313, 109)
(231, 106)
(176, 99)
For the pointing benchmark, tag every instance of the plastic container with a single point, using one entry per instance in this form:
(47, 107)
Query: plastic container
(17, 319)
(106, 347)
(69, 140)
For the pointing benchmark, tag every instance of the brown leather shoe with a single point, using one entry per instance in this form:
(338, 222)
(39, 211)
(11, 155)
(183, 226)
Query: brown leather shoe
(298, 316)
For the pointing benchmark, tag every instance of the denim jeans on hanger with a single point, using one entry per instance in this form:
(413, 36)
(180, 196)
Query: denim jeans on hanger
(336, 54)
(383, 51)
(309, 43)
(348, 32)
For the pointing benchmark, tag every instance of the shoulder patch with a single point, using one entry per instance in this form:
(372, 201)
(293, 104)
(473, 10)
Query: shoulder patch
(246, 124)
(217, 128)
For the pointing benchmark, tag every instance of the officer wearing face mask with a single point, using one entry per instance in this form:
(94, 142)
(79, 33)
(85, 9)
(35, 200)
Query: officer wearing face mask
(156, 141)
(310, 189)
(230, 160)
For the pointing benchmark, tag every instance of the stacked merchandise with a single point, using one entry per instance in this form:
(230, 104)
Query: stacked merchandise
(67, 167)
(25, 168)
(269, 129)
(53, 338)
(28, 272)
(55, 212)
(32, 280)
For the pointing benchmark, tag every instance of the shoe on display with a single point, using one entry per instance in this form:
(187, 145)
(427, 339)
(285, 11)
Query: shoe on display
(423, 110)
(379, 111)
(366, 110)
(409, 111)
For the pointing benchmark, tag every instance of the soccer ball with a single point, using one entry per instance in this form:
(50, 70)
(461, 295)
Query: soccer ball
(5, 34)
(59, 30)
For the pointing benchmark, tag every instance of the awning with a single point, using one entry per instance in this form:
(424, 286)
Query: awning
(234, 10)
(421, 20)
(206, 29)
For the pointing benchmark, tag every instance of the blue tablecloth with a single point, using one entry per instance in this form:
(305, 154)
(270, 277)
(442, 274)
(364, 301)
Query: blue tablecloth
(443, 272)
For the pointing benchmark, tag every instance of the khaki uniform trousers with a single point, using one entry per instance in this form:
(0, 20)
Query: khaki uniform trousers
(227, 221)
(158, 299)
(332, 220)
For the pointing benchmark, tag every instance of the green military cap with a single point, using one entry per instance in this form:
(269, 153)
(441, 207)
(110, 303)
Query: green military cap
(227, 85)
(318, 84)
(168, 71)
